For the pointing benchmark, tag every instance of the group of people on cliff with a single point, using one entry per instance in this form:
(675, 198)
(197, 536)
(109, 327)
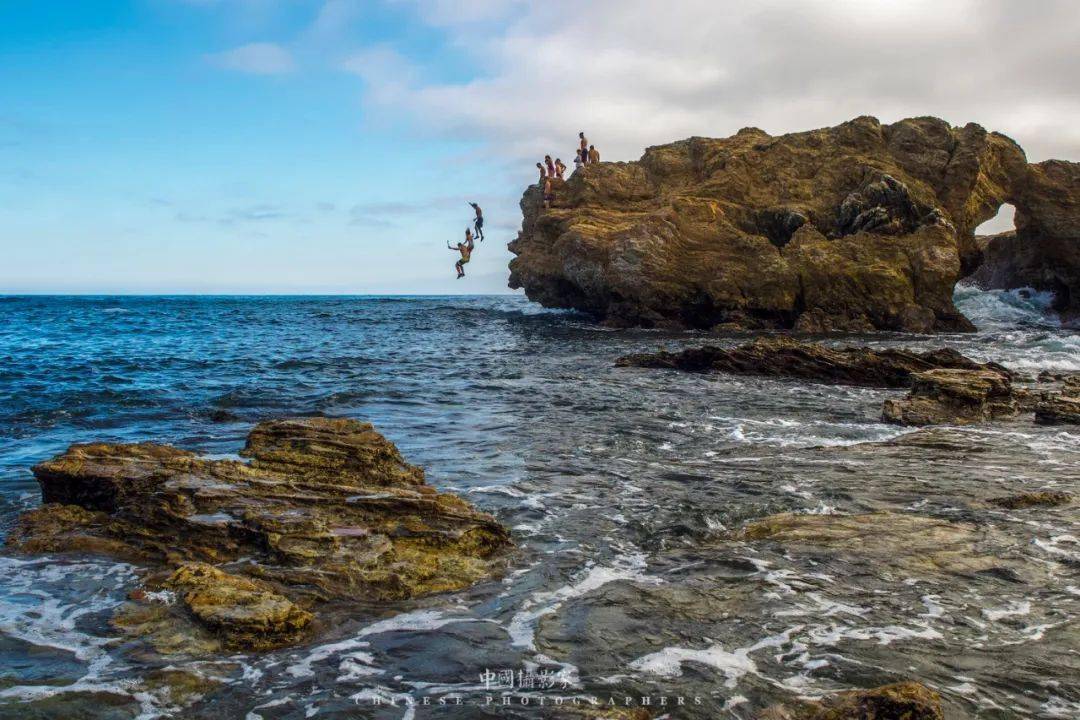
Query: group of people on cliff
(466, 248)
(586, 154)
(549, 170)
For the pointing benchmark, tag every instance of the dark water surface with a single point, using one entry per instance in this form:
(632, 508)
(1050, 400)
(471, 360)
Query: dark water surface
(622, 486)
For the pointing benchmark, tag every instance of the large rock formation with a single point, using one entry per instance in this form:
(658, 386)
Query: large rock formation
(785, 357)
(326, 509)
(857, 227)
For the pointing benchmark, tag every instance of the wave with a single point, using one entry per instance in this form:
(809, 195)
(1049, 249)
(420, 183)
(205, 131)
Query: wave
(1002, 309)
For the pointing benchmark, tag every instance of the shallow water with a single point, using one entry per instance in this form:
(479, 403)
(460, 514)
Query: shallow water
(621, 485)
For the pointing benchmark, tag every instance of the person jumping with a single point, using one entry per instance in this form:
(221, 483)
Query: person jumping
(478, 223)
(465, 249)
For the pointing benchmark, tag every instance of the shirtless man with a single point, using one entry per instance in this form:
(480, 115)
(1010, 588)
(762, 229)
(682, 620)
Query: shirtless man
(594, 155)
(560, 168)
(465, 249)
(583, 148)
(478, 223)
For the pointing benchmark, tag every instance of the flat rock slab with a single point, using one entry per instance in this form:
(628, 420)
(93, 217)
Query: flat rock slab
(326, 509)
(786, 357)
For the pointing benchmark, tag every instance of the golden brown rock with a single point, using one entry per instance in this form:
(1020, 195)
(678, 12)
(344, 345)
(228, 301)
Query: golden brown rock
(326, 509)
(856, 227)
(900, 701)
(954, 397)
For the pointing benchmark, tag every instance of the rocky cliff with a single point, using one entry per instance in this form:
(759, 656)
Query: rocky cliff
(856, 227)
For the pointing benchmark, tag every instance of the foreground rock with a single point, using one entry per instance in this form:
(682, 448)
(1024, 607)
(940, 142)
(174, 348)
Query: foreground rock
(856, 227)
(901, 701)
(954, 397)
(326, 509)
(785, 357)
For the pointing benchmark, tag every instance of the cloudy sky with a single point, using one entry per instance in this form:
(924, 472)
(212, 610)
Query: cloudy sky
(331, 145)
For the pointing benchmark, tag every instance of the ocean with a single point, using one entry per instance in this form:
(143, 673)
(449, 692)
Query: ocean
(623, 487)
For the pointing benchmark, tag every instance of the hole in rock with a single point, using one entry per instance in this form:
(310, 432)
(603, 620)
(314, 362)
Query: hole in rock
(1004, 221)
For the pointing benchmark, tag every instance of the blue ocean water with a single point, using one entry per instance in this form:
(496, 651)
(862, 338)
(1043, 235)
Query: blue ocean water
(616, 483)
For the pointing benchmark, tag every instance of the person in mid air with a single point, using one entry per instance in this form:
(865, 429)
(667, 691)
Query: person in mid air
(465, 248)
(478, 223)
(594, 155)
(560, 168)
(583, 147)
(550, 166)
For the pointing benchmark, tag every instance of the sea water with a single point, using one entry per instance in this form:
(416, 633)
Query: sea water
(624, 489)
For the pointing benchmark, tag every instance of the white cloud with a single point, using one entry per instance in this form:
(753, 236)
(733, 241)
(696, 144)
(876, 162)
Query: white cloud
(257, 59)
(636, 72)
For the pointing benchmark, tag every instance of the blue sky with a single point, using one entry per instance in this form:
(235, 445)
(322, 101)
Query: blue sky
(138, 158)
(331, 145)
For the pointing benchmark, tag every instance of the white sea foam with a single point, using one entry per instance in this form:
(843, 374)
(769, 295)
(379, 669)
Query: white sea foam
(522, 626)
(1012, 609)
(734, 664)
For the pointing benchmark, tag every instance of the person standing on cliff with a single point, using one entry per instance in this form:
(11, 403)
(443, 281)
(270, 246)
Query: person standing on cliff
(543, 175)
(549, 194)
(478, 223)
(560, 168)
(594, 155)
(578, 162)
(465, 249)
(550, 166)
(583, 147)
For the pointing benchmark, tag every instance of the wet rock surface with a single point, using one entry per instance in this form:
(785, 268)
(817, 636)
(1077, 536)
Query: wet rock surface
(900, 701)
(326, 510)
(957, 397)
(857, 227)
(787, 357)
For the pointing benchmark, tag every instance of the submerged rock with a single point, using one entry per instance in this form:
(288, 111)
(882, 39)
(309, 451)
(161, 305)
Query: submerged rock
(326, 509)
(955, 397)
(900, 701)
(1044, 498)
(786, 357)
(891, 541)
(851, 228)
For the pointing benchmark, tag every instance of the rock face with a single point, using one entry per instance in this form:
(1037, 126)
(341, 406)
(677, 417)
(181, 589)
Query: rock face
(900, 701)
(856, 227)
(955, 397)
(785, 357)
(326, 509)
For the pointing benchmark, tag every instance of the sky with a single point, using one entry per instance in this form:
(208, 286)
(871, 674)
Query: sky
(331, 146)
